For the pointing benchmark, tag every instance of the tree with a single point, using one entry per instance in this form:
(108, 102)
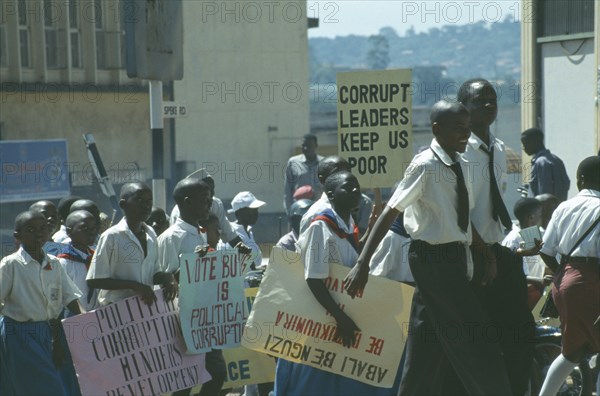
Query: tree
(378, 56)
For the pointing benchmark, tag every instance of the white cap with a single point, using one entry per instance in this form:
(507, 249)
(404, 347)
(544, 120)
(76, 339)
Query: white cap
(246, 199)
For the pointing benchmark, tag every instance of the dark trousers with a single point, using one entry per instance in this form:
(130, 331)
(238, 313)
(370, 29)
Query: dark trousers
(449, 331)
(215, 365)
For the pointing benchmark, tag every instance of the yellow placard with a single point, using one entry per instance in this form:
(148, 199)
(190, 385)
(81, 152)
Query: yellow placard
(287, 321)
(375, 124)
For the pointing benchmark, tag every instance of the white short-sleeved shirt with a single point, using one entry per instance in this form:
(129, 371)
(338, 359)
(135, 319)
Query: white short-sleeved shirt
(30, 291)
(490, 230)
(319, 206)
(77, 271)
(319, 247)
(568, 223)
(390, 258)
(532, 265)
(218, 209)
(61, 236)
(180, 238)
(248, 239)
(119, 255)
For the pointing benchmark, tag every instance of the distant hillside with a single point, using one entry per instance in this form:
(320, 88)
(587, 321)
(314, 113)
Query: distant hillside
(453, 52)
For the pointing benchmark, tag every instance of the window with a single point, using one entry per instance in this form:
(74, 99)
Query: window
(76, 61)
(24, 37)
(56, 40)
(565, 17)
(3, 49)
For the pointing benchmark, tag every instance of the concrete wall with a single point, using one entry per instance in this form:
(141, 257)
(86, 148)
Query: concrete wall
(246, 87)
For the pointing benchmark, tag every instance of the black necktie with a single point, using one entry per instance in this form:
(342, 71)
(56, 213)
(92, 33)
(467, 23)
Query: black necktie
(463, 197)
(498, 207)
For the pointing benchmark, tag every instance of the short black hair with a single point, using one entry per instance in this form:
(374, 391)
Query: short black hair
(329, 165)
(24, 217)
(129, 189)
(589, 171)
(75, 216)
(185, 187)
(464, 92)
(310, 136)
(442, 110)
(335, 179)
(85, 204)
(533, 133)
(526, 207)
(64, 206)
(39, 204)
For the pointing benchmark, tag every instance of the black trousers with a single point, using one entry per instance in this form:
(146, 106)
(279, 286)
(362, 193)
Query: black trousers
(450, 332)
(215, 365)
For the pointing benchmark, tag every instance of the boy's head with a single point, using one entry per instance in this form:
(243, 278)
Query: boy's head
(529, 212)
(211, 226)
(330, 165)
(81, 228)
(87, 205)
(158, 220)
(479, 97)
(31, 229)
(297, 210)
(245, 205)
(64, 206)
(309, 146)
(450, 125)
(136, 201)
(48, 209)
(343, 191)
(532, 140)
(194, 198)
(588, 173)
(549, 204)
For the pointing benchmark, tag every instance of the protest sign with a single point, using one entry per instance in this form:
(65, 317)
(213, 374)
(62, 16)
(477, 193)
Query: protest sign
(287, 321)
(245, 366)
(375, 124)
(212, 304)
(130, 348)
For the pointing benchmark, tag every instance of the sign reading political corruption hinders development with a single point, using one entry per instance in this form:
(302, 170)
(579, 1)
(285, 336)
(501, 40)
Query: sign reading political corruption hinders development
(375, 124)
(287, 321)
(130, 348)
(212, 304)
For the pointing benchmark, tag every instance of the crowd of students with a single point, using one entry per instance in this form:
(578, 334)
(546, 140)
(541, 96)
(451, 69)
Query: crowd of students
(445, 231)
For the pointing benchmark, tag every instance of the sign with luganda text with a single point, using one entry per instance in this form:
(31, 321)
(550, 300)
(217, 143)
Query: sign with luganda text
(130, 348)
(212, 304)
(375, 124)
(287, 322)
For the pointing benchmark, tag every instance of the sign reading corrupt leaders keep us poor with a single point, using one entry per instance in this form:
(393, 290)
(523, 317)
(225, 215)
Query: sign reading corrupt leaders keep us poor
(212, 303)
(130, 348)
(287, 321)
(375, 124)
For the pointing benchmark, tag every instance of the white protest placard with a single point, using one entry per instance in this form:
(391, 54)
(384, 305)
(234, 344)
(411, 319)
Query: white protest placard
(212, 304)
(375, 124)
(287, 321)
(130, 348)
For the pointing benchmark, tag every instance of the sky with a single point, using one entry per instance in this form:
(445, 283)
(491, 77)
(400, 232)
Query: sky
(366, 17)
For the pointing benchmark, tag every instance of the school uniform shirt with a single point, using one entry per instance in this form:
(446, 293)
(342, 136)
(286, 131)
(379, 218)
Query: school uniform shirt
(390, 258)
(119, 255)
(548, 175)
(568, 223)
(299, 172)
(218, 209)
(532, 265)
(319, 246)
(490, 230)
(318, 207)
(77, 271)
(248, 239)
(30, 291)
(288, 241)
(61, 236)
(180, 238)
(427, 196)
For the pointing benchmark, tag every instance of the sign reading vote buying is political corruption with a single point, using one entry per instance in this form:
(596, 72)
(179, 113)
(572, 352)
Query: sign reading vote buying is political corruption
(130, 348)
(375, 124)
(287, 322)
(212, 304)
